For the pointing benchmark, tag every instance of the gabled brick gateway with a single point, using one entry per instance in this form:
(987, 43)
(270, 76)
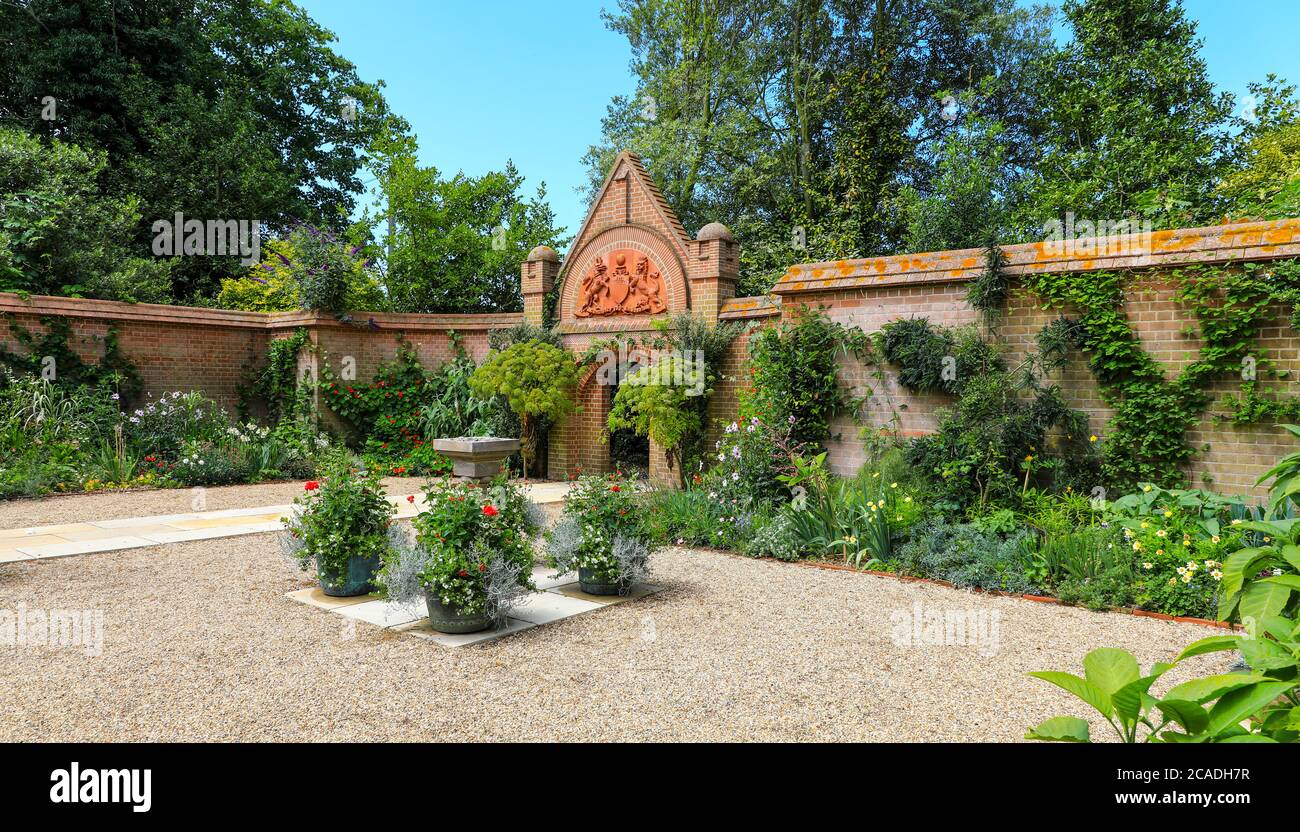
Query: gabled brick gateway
(188, 348)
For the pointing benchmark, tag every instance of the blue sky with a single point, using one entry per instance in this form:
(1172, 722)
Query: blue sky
(483, 82)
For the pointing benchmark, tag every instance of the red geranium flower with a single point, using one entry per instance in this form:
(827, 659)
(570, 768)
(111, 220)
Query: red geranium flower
(614, 488)
(311, 485)
(399, 470)
(490, 510)
(410, 498)
(463, 573)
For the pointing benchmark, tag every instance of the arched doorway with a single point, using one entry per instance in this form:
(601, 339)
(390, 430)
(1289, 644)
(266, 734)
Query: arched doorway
(628, 452)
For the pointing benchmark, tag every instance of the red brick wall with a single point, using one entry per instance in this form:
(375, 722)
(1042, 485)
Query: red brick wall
(185, 348)
(869, 293)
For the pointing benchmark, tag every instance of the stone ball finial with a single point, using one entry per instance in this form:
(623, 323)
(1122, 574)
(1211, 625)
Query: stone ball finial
(716, 231)
(544, 253)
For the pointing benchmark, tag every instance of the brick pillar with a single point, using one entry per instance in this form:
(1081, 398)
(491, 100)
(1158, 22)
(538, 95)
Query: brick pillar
(714, 263)
(537, 278)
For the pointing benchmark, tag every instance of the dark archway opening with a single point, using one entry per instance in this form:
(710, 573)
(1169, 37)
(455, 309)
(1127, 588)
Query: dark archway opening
(628, 452)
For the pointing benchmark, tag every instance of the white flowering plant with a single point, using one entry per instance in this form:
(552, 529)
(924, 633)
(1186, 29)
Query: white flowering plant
(601, 531)
(343, 514)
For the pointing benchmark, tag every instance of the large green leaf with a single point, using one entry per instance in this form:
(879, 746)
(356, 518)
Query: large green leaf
(1261, 599)
(1213, 644)
(1264, 654)
(1288, 581)
(1242, 703)
(1061, 729)
(1189, 715)
(1082, 688)
(1210, 687)
(1291, 554)
(1110, 668)
(1128, 700)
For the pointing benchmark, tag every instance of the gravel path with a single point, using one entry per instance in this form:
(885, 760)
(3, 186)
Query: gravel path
(110, 505)
(201, 644)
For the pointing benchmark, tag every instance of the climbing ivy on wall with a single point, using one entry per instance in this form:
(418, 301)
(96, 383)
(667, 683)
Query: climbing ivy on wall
(113, 369)
(795, 372)
(1146, 438)
(276, 382)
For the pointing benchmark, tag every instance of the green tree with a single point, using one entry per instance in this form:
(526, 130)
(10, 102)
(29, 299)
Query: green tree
(457, 244)
(536, 380)
(798, 122)
(59, 235)
(220, 110)
(1131, 124)
(1265, 180)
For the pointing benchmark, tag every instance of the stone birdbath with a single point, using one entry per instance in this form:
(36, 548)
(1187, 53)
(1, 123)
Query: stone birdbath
(476, 457)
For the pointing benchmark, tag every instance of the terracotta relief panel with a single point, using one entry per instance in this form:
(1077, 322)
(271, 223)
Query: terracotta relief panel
(621, 282)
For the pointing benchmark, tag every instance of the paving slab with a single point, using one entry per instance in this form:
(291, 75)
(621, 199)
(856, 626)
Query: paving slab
(545, 607)
(85, 547)
(384, 613)
(574, 590)
(316, 597)
(421, 629)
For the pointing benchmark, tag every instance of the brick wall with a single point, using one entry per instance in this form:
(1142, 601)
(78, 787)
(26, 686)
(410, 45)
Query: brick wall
(209, 350)
(871, 292)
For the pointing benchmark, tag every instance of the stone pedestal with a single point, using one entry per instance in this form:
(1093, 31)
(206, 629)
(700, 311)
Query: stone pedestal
(476, 457)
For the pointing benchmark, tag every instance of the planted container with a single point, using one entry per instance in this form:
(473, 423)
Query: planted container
(356, 578)
(593, 584)
(451, 620)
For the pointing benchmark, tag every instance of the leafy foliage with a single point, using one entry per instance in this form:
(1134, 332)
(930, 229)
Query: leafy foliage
(795, 372)
(343, 515)
(535, 379)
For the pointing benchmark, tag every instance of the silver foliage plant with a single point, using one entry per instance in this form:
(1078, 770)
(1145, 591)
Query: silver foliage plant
(503, 592)
(633, 556)
(562, 544)
(535, 516)
(403, 576)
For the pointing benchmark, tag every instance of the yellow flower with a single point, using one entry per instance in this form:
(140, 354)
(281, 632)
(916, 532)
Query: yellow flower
(1146, 488)
(1160, 551)
(1137, 547)
(1145, 524)
(1214, 539)
(1162, 533)
(1029, 457)
(1092, 438)
(893, 485)
(1147, 566)
(1169, 514)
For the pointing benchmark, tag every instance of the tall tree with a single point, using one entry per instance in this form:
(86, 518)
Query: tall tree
(220, 110)
(800, 122)
(457, 243)
(1132, 125)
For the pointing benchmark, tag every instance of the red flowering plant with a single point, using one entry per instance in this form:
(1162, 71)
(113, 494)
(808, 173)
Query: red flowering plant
(404, 406)
(344, 514)
(473, 548)
(601, 532)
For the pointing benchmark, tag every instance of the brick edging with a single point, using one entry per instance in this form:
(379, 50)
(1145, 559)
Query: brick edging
(1021, 596)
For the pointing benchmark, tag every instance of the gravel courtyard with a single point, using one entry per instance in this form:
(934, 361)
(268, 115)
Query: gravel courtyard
(201, 643)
